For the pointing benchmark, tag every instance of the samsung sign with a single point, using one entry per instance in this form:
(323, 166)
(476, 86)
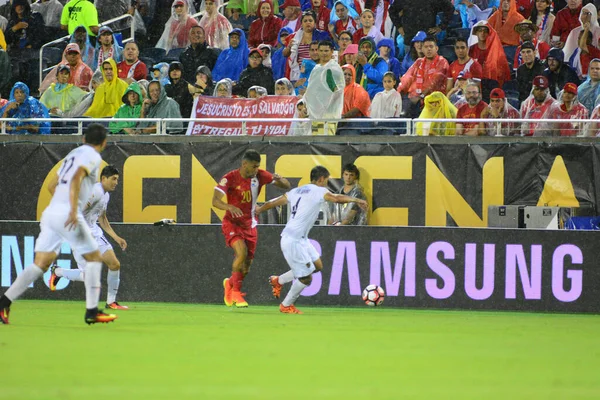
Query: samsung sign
(456, 268)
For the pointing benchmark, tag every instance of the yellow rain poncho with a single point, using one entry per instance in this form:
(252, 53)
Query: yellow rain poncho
(437, 106)
(108, 97)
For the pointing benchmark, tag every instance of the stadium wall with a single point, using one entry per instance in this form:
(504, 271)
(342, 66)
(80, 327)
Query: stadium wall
(407, 182)
(444, 268)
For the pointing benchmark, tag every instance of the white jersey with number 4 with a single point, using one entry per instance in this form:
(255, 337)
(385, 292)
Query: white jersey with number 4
(84, 156)
(305, 203)
(95, 207)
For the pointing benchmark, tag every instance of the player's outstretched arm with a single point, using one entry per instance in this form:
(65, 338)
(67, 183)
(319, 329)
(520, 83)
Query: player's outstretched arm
(81, 173)
(281, 182)
(218, 202)
(106, 227)
(342, 198)
(279, 201)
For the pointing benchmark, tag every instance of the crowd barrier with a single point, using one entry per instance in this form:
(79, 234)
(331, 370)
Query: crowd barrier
(446, 268)
(342, 127)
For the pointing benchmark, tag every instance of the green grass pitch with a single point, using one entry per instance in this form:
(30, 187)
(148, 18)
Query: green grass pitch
(181, 351)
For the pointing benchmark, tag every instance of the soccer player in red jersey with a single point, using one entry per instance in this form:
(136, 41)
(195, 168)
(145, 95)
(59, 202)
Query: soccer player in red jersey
(242, 186)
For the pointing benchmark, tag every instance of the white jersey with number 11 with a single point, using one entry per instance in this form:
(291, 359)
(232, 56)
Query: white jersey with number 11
(305, 203)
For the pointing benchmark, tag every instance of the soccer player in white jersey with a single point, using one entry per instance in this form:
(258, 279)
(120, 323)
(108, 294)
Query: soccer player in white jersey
(62, 221)
(301, 256)
(94, 213)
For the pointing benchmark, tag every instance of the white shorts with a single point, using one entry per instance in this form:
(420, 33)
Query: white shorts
(300, 255)
(103, 246)
(53, 233)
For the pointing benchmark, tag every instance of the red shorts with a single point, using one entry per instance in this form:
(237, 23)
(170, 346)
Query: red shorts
(233, 233)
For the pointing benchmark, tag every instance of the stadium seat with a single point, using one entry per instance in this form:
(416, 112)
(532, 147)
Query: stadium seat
(447, 52)
(153, 53)
(52, 55)
(510, 86)
(463, 32)
(514, 101)
(510, 54)
(172, 55)
(148, 61)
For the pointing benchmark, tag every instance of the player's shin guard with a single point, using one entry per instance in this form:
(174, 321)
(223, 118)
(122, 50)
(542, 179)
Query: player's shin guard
(92, 274)
(29, 275)
(113, 280)
(294, 293)
(286, 277)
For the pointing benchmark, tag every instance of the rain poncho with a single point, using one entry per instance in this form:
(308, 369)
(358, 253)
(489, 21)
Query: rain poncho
(588, 93)
(64, 97)
(443, 110)
(353, 14)
(88, 53)
(593, 127)
(128, 111)
(108, 97)
(266, 59)
(495, 66)
(81, 74)
(386, 104)
(557, 110)
(165, 107)
(115, 52)
(30, 108)
(355, 96)
(177, 28)
(278, 60)
(571, 50)
(300, 128)
(425, 77)
(393, 63)
(260, 91)
(503, 128)
(325, 93)
(163, 70)
(86, 102)
(50, 10)
(308, 66)
(216, 27)
(264, 30)
(531, 110)
(506, 30)
(288, 85)
(227, 84)
(232, 62)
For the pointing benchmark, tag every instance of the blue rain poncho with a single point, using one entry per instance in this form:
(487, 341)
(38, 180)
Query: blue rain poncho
(232, 62)
(30, 108)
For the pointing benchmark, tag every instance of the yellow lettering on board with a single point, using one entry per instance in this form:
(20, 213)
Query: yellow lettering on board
(299, 166)
(558, 188)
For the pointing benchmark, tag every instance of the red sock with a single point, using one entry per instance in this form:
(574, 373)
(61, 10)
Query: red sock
(236, 281)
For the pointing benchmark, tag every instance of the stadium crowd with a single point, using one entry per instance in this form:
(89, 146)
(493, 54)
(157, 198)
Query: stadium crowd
(340, 59)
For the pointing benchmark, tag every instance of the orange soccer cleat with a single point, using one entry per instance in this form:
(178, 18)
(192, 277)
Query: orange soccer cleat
(275, 285)
(289, 310)
(99, 317)
(53, 279)
(238, 299)
(4, 312)
(228, 291)
(116, 306)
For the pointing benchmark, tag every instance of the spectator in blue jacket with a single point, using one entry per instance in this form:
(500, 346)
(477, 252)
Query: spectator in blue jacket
(371, 67)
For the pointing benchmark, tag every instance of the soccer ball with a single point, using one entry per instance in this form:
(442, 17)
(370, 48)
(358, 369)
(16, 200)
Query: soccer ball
(373, 295)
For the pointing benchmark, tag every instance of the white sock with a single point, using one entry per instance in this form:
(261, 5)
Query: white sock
(29, 275)
(92, 274)
(70, 274)
(286, 278)
(294, 293)
(113, 280)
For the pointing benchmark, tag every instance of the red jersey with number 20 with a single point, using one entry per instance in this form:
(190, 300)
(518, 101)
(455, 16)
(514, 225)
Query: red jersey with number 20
(243, 193)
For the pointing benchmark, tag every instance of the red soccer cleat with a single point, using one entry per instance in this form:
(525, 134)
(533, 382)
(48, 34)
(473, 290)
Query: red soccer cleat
(289, 310)
(275, 285)
(53, 279)
(238, 299)
(116, 306)
(228, 291)
(100, 317)
(4, 313)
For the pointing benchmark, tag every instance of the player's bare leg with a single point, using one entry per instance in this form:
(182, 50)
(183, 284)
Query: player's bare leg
(30, 274)
(287, 305)
(113, 278)
(240, 269)
(93, 270)
(277, 282)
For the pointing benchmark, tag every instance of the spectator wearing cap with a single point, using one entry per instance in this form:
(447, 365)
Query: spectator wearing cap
(463, 63)
(558, 73)
(256, 74)
(200, 53)
(504, 20)
(367, 22)
(79, 13)
(176, 34)
(526, 30)
(81, 74)
(566, 20)
(427, 75)
(266, 27)
(590, 89)
(349, 55)
(414, 52)
(410, 16)
(107, 47)
(567, 107)
(291, 12)
(536, 105)
(132, 68)
(456, 95)
(531, 67)
(62, 96)
(473, 109)
(499, 108)
(177, 89)
(488, 51)
(371, 67)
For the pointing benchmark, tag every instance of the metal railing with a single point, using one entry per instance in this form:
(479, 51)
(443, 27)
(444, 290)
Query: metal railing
(67, 37)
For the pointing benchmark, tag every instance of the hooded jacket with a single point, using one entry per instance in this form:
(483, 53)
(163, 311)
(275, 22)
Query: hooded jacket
(128, 111)
(264, 30)
(180, 93)
(108, 97)
(165, 107)
(259, 76)
(355, 96)
(393, 63)
(565, 74)
(231, 62)
(30, 108)
(278, 60)
(370, 75)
